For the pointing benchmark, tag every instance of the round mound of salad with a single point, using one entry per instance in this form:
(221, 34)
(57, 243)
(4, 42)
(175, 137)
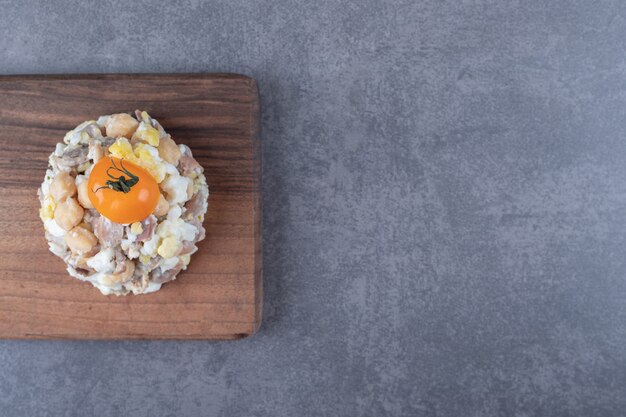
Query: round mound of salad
(123, 204)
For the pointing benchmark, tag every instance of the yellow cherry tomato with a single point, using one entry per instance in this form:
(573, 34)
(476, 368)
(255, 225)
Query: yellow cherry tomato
(121, 191)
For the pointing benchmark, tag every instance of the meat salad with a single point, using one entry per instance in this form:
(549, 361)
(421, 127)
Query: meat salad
(123, 204)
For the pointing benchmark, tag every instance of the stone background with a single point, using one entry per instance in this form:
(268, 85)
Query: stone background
(444, 194)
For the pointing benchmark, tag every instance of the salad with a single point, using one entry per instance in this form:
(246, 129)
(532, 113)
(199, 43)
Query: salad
(123, 204)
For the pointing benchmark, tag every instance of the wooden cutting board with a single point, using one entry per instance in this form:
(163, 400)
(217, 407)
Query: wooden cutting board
(219, 296)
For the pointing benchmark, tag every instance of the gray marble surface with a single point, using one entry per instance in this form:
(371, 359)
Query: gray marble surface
(445, 209)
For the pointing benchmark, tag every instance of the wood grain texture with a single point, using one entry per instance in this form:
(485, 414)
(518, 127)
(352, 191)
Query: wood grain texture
(220, 295)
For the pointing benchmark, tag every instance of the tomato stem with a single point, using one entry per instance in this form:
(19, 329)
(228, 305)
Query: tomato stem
(121, 183)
